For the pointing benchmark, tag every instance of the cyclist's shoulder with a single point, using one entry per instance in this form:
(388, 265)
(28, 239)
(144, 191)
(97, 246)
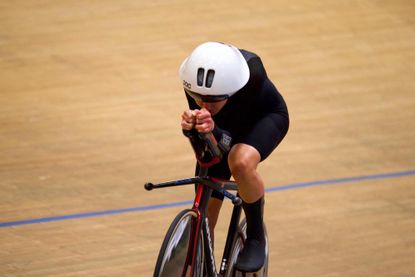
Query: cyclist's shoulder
(248, 55)
(257, 70)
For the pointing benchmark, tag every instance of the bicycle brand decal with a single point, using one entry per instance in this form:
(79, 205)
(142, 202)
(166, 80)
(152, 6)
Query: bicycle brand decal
(210, 242)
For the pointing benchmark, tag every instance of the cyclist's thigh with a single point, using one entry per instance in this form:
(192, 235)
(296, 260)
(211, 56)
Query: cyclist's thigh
(266, 134)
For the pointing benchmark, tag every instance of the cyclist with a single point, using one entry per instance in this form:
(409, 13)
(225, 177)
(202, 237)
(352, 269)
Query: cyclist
(229, 94)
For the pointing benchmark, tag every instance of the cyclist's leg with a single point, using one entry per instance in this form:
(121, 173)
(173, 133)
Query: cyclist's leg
(243, 159)
(249, 150)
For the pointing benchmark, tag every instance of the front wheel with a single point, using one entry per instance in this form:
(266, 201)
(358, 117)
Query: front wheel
(237, 246)
(173, 259)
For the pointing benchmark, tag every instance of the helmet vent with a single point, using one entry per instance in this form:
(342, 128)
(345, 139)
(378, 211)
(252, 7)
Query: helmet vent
(209, 78)
(200, 76)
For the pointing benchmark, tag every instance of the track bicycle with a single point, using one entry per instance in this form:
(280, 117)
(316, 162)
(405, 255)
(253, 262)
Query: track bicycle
(187, 249)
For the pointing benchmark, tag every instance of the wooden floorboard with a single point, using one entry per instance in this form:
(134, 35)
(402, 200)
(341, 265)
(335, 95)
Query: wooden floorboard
(90, 105)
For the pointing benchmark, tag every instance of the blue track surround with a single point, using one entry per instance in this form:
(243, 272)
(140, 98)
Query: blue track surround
(186, 203)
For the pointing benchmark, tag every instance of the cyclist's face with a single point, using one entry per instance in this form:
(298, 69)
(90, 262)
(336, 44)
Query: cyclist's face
(212, 107)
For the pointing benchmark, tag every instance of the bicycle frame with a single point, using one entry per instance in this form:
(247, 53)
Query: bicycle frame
(208, 153)
(205, 186)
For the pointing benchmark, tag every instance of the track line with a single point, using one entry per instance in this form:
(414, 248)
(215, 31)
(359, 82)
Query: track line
(337, 181)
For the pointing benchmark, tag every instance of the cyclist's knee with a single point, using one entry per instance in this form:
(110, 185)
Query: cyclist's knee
(243, 160)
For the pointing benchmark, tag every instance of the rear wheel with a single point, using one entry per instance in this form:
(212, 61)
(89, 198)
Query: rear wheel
(173, 259)
(238, 246)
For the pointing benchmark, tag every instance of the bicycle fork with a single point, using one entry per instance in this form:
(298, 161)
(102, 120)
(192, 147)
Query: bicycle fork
(201, 226)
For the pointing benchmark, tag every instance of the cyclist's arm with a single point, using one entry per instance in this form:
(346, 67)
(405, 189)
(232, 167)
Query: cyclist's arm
(205, 124)
(223, 138)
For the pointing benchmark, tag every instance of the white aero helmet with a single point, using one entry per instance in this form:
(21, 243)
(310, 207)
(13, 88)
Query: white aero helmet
(214, 71)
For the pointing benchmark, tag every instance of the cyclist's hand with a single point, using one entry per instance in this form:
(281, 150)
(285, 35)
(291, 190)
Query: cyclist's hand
(189, 119)
(204, 121)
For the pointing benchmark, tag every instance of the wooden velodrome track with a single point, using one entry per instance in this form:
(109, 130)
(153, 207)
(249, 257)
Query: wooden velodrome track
(90, 104)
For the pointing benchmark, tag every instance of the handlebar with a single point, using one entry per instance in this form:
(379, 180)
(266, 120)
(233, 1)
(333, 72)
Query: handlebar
(208, 152)
(205, 147)
(214, 184)
(149, 186)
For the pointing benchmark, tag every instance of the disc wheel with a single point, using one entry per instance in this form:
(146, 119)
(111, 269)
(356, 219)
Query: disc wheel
(173, 256)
